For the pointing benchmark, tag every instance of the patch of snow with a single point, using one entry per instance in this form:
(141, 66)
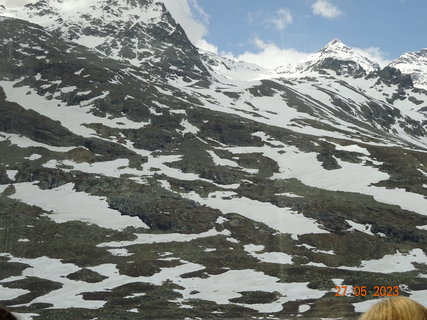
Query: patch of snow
(24, 142)
(221, 220)
(9, 293)
(68, 89)
(268, 257)
(120, 252)
(70, 294)
(11, 174)
(73, 118)
(353, 148)
(303, 308)
(351, 177)
(33, 157)
(315, 250)
(365, 228)
(399, 262)
(418, 296)
(67, 204)
(364, 305)
(223, 287)
(188, 127)
(26, 316)
(338, 282)
(113, 168)
(281, 219)
(221, 161)
(289, 195)
(143, 238)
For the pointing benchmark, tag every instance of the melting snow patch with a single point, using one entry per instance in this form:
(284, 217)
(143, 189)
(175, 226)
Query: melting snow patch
(419, 296)
(289, 195)
(26, 316)
(188, 127)
(2, 188)
(314, 249)
(303, 308)
(119, 252)
(11, 174)
(398, 262)
(114, 168)
(33, 157)
(163, 238)
(365, 228)
(68, 89)
(73, 118)
(70, 205)
(268, 257)
(9, 294)
(281, 219)
(24, 142)
(223, 287)
(353, 148)
(70, 294)
(220, 161)
(364, 305)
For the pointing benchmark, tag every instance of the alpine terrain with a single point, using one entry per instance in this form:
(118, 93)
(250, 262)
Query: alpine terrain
(141, 178)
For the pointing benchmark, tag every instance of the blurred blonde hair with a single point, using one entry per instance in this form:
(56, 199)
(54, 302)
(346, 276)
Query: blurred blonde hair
(396, 308)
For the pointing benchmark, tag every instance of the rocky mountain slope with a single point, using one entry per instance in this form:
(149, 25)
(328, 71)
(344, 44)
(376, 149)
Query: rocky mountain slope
(414, 64)
(140, 177)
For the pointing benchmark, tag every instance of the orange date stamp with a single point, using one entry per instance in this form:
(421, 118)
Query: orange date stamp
(362, 291)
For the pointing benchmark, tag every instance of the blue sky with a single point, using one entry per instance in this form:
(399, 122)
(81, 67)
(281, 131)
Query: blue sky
(386, 28)
(395, 26)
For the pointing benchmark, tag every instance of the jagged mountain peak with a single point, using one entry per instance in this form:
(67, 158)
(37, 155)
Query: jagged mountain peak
(335, 43)
(413, 64)
(53, 14)
(141, 32)
(336, 50)
(335, 56)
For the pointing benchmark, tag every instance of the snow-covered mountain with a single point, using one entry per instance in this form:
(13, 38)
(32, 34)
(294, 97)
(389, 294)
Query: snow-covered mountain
(415, 65)
(141, 32)
(336, 50)
(334, 56)
(140, 177)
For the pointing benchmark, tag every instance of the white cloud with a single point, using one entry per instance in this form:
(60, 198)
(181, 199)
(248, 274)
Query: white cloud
(375, 54)
(325, 9)
(204, 45)
(282, 20)
(270, 55)
(193, 19)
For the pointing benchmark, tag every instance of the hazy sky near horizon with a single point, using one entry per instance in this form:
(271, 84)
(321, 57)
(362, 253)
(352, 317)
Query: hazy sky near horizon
(273, 32)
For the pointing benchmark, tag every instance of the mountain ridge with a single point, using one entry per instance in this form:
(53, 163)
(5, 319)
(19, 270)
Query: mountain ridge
(335, 55)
